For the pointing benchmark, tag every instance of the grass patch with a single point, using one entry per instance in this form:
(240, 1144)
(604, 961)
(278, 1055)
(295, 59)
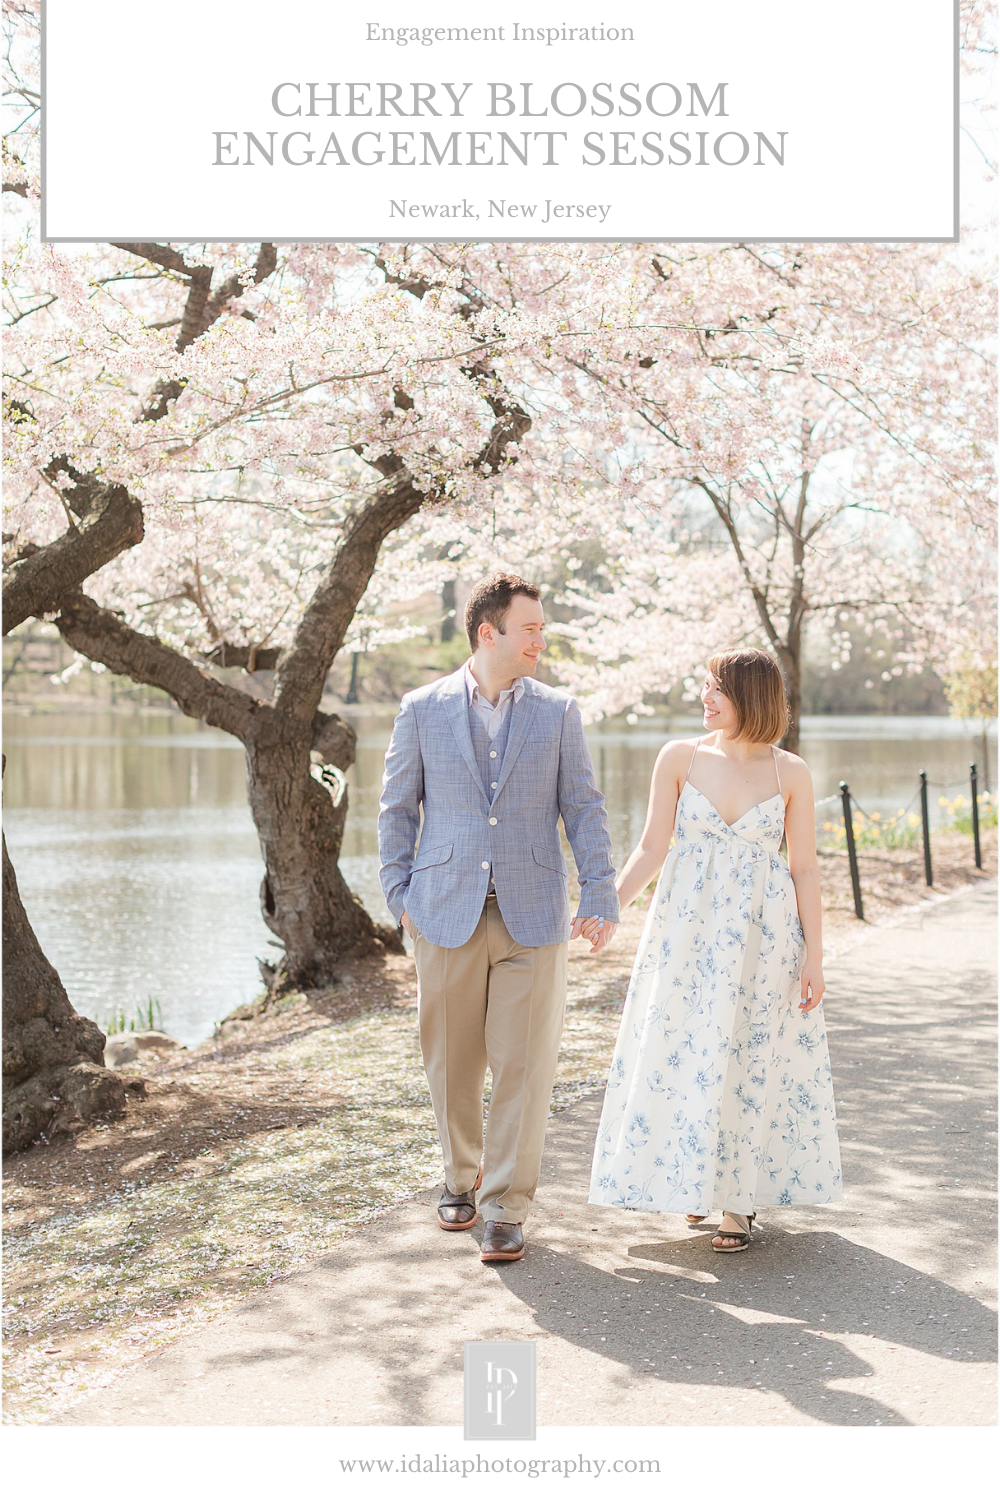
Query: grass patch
(958, 812)
(899, 830)
(146, 1016)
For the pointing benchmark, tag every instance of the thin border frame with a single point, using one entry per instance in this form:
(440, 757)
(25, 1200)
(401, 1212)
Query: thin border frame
(786, 239)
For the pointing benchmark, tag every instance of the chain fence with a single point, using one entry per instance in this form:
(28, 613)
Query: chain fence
(961, 808)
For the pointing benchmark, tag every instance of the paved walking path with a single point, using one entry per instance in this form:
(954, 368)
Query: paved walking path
(872, 1311)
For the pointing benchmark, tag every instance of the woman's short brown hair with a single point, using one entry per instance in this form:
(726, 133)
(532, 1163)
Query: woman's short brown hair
(752, 682)
(491, 599)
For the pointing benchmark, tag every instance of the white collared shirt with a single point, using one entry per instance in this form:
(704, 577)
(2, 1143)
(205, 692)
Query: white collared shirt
(491, 714)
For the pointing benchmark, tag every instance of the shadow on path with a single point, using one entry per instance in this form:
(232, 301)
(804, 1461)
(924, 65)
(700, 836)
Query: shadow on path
(775, 1322)
(789, 1322)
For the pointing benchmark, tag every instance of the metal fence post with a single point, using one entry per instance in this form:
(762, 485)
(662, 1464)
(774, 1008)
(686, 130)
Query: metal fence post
(974, 782)
(926, 822)
(852, 853)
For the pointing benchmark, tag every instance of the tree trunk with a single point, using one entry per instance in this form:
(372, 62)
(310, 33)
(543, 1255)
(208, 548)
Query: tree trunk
(449, 625)
(295, 787)
(790, 650)
(110, 522)
(791, 668)
(352, 687)
(300, 811)
(54, 1076)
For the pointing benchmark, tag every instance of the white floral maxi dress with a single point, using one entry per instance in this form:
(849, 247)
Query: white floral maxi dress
(720, 1094)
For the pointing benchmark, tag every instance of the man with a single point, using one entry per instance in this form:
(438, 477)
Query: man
(495, 759)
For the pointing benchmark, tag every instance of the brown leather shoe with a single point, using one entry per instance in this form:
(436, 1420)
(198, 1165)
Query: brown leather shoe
(458, 1210)
(502, 1241)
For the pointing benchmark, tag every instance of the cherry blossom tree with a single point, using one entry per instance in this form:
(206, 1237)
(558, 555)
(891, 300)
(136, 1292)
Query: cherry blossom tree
(761, 436)
(822, 420)
(289, 425)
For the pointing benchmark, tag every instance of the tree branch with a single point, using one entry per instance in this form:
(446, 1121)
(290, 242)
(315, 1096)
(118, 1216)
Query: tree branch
(161, 255)
(334, 740)
(267, 259)
(104, 636)
(110, 521)
(110, 517)
(252, 658)
(303, 668)
(512, 420)
(759, 597)
(319, 635)
(201, 309)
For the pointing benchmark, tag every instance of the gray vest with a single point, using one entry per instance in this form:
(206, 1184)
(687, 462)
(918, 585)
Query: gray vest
(489, 756)
(489, 765)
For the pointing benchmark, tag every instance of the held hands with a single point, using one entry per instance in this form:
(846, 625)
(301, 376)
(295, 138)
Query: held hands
(598, 929)
(813, 985)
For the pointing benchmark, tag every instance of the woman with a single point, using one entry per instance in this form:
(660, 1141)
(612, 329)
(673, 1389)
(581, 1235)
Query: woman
(720, 1095)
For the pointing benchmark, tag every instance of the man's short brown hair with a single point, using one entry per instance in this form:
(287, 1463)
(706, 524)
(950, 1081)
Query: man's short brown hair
(752, 682)
(490, 601)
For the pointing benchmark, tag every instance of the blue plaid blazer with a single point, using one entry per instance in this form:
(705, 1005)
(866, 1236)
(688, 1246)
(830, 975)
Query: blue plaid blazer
(547, 774)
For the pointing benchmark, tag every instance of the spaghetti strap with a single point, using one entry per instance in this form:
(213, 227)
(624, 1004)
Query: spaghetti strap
(774, 752)
(694, 752)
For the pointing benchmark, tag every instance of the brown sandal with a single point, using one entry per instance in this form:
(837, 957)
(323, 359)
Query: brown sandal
(742, 1238)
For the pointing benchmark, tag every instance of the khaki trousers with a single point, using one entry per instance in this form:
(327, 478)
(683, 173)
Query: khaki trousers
(491, 1003)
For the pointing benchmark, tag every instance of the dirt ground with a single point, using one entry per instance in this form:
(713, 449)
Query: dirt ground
(892, 879)
(255, 1152)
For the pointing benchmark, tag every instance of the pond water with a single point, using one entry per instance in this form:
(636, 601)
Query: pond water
(138, 862)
